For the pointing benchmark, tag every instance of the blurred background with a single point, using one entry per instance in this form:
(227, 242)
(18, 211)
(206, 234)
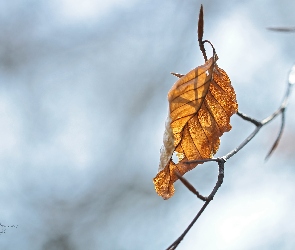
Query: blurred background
(83, 103)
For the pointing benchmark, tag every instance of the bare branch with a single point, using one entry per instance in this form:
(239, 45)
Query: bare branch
(282, 110)
(202, 161)
(210, 198)
(221, 161)
(249, 119)
(276, 143)
(190, 187)
(243, 144)
(258, 125)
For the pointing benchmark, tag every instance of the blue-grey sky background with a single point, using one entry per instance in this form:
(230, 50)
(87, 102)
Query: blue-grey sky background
(83, 103)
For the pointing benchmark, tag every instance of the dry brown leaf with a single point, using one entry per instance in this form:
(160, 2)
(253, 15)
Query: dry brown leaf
(200, 106)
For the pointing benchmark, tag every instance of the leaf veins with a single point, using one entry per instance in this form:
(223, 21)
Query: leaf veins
(200, 106)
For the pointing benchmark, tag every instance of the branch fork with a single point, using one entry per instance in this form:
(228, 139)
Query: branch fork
(221, 161)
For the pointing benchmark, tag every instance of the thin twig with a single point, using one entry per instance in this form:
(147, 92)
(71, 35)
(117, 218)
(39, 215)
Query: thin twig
(243, 144)
(202, 161)
(276, 143)
(190, 186)
(282, 110)
(249, 119)
(282, 106)
(210, 198)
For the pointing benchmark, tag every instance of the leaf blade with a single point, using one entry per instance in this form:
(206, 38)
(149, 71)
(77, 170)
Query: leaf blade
(200, 106)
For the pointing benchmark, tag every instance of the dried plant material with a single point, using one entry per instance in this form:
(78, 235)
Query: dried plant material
(201, 25)
(177, 75)
(200, 106)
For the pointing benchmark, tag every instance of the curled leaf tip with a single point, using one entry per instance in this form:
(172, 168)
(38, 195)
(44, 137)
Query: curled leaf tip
(201, 24)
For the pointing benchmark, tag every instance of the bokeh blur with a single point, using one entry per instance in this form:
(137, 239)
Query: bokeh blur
(83, 102)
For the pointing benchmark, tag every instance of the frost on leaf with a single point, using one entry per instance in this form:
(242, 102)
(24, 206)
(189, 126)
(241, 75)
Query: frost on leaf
(200, 106)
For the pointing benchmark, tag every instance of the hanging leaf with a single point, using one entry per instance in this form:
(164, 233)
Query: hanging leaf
(200, 106)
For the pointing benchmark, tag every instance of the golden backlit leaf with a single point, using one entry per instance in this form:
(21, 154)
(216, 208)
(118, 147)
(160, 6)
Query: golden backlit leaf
(200, 106)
